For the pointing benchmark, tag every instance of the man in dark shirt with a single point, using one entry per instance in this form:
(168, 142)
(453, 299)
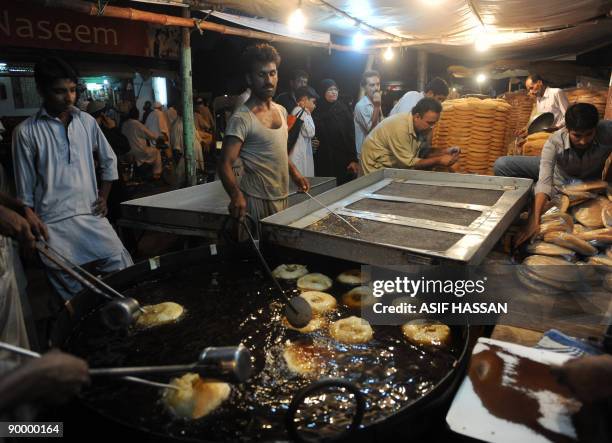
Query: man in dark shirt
(298, 80)
(575, 153)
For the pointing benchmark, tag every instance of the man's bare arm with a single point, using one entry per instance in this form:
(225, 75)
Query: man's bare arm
(533, 224)
(230, 151)
(375, 118)
(301, 182)
(438, 160)
(12, 203)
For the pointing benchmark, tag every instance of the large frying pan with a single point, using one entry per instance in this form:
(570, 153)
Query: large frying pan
(208, 282)
(541, 123)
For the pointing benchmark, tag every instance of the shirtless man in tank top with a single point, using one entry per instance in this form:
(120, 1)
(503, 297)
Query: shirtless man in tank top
(257, 133)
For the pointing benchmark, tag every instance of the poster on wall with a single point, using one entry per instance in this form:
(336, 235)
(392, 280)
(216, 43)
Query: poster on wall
(163, 42)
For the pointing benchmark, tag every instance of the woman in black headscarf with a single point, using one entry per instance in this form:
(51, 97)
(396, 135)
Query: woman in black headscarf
(336, 155)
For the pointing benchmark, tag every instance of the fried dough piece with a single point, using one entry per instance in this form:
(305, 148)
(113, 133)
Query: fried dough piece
(196, 397)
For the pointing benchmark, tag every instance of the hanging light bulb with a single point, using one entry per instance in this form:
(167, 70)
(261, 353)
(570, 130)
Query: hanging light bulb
(482, 39)
(481, 78)
(388, 55)
(482, 45)
(358, 41)
(297, 20)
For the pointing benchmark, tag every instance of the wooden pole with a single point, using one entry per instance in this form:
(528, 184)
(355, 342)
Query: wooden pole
(608, 113)
(421, 70)
(170, 20)
(187, 96)
(607, 172)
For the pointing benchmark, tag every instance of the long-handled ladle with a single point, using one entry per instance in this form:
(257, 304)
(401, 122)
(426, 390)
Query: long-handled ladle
(119, 313)
(297, 310)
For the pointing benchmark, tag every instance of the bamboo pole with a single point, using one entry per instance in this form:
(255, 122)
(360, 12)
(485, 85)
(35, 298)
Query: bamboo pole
(132, 14)
(608, 112)
(187, 96)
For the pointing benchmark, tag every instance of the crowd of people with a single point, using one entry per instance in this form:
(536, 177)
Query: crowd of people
(344, 143)
(65, 161)
(142, 138)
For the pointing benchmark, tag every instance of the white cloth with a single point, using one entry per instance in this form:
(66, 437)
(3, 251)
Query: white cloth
(301, 156)
(12, 324)
(66, 286)
(553, 100)
(407, 102)
(83, 239)
(242, 98)
(157, 122)
(138, 134)
(55, 175)
(171, 115)
(54, 167)
(362, 116)
(12, 291)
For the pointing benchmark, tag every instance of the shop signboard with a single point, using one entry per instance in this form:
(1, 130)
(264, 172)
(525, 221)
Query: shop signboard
(52, 28)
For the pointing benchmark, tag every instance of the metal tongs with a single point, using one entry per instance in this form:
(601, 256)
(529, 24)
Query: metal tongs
(297, 310)
(228, 363)
(119, 313)
(27, 353)
(320, 203)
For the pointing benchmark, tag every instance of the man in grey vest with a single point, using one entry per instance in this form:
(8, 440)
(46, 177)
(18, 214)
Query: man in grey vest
(257, 133)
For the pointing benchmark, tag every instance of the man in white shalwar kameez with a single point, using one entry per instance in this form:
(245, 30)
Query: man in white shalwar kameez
(157, 122)
(53, 155)
(302, 155)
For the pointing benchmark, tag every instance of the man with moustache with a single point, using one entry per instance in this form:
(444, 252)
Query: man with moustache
(402, 141)
(548, 99)
(257, 133)
(288, 100)
(368, 111)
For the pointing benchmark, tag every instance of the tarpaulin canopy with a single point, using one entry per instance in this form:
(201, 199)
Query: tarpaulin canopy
(526, 29)
(273, 27)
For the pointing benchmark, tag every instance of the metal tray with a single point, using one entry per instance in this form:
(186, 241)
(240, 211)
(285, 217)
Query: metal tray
(201, 207)
(404, 217)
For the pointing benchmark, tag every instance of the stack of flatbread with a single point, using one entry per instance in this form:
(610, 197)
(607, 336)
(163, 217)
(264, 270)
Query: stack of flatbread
(478, 127)
(535, 142)
(576, 233)
(522, 105)
(501, 131)
(441, 131)
(459, 131)
(595, 96)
